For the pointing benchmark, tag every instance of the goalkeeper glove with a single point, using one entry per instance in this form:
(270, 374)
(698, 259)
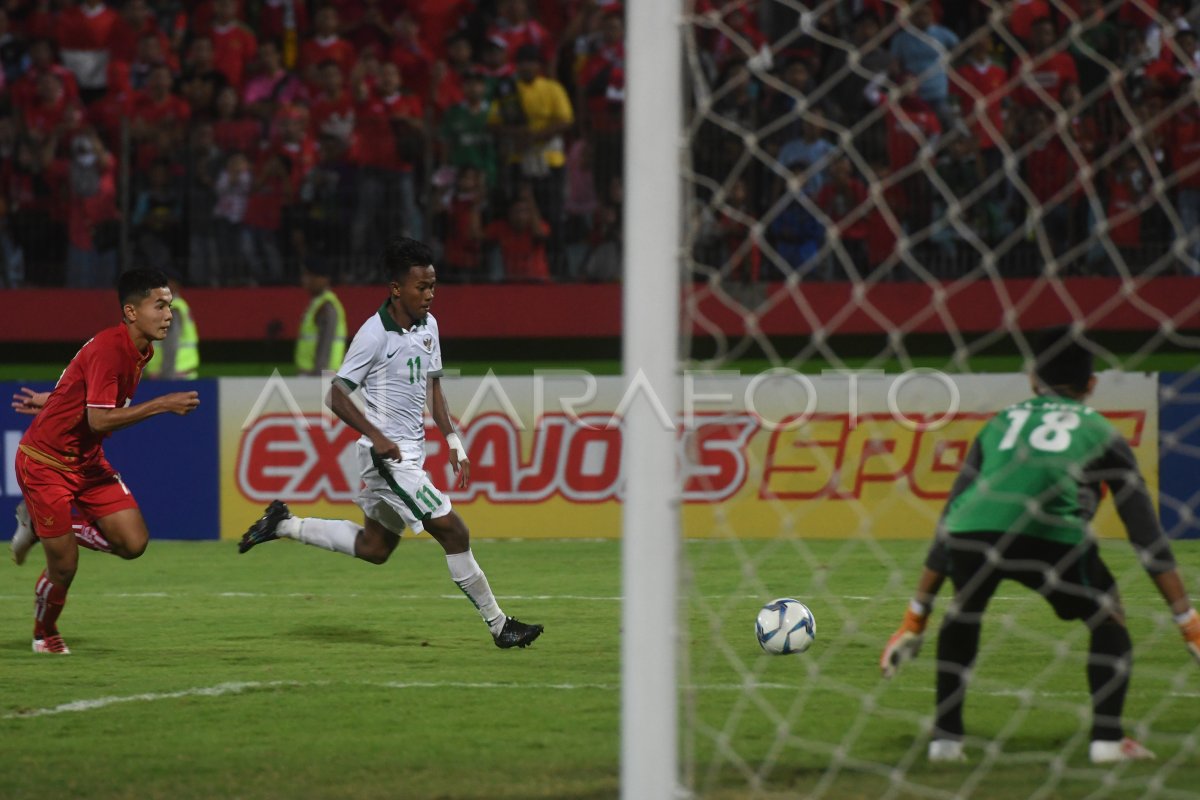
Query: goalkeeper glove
(1190, 628)
(904, 644)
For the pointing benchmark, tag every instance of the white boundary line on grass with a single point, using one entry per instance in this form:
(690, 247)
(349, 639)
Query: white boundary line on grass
(238, 687)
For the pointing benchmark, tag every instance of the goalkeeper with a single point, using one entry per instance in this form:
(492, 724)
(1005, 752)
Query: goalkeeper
(1020, 509)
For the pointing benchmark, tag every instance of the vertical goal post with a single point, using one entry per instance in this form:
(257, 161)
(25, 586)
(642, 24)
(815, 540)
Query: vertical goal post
(650, 639)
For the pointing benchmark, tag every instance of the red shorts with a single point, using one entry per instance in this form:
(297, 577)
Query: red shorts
(96, 491)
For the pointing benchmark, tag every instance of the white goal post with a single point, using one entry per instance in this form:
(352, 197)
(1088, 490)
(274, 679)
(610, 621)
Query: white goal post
(650, 523)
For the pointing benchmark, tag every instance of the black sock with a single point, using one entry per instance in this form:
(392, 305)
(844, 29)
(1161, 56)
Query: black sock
(958, 644)
(1110, 658)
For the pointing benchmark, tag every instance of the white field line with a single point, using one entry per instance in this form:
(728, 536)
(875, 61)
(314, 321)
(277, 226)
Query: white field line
(238, 687)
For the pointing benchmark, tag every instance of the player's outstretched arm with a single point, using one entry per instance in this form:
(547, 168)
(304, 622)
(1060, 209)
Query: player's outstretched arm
(1118, 468)
(29, 402)
(905, 643)
(339, 402)
(1170, 585)
(107, 420)
(440, 409)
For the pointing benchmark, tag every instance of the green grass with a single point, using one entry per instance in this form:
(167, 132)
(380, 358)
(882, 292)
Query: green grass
(336, 679)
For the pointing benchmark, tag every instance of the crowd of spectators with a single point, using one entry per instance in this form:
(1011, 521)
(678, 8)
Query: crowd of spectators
(236, 140)
(1026, 130)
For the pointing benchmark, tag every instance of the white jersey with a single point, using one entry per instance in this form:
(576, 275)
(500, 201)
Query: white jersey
(392, 365)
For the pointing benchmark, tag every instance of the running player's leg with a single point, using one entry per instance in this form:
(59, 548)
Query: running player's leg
(452, 534)
(372, 541)
(375, 542)
(50, 594)
(48, 493)
(125, 532)
(118, 524)
(975, 580)
(1087, 591)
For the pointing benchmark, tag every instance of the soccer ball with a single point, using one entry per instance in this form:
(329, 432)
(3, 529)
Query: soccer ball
(785, 626)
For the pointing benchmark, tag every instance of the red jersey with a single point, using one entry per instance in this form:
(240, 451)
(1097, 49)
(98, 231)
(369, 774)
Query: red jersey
(84, 213)
(44, 119)
(171, 110)
(1024, 14)
(332, 116)
(334, 48)
(448, 92)
(523, 252)
(123, 42)
(202, 15)
(272, 20)
(1050, 71)
(911, 124)
(523, 34)
(264, 207)
(1125, 224)
(103, 374)
(602, 78)
(414, 61)
(302, 155)
(841, 204)
(1049, 169)
(1170, 71)
(83, 36)
(437, 19)
(980, 90)
(464, 247)
(86, 29)
(234, 47)
(1183, 144)
(376, 139)
(1137, 13)
(238, 134)
(24, 88)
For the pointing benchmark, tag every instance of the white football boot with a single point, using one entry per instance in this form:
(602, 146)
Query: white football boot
(946, 751)
(1109, 752)
(24, 538)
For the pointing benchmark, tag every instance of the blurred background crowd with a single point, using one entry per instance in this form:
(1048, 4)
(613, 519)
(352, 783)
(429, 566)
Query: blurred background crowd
(236, 141)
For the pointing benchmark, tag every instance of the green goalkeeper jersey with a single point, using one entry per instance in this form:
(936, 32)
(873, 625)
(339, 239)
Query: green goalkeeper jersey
(1036, 471)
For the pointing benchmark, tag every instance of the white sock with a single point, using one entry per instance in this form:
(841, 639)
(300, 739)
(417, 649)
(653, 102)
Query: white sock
(337, 535)
(474, 584)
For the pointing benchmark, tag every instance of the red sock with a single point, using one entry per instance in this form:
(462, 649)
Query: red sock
(49, 599)
(90, 537)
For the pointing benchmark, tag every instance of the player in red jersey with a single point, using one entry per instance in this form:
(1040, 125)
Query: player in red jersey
(60, 460)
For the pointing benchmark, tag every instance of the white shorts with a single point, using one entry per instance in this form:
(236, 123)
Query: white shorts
(399, 494)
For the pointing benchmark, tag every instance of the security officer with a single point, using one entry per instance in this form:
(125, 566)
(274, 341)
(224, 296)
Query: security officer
(321, 342)
(178, 356)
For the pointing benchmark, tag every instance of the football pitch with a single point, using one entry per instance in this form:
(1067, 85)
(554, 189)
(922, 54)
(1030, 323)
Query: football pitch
(289, 672)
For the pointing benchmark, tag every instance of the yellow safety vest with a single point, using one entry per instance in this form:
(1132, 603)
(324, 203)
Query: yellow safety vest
(306, 344)
(187, 354)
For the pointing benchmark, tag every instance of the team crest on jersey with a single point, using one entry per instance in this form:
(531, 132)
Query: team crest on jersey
(427, 343)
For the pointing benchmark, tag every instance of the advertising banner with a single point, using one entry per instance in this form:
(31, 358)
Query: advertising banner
(168, 462)
(777, 453)
(1179, 462)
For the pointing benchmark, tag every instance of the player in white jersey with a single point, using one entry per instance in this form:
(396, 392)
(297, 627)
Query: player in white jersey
(395, 360)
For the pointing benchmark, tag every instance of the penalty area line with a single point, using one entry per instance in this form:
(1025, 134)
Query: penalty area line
(240, 687)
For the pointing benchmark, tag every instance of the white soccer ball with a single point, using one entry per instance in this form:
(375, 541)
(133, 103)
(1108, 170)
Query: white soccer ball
(785, 626)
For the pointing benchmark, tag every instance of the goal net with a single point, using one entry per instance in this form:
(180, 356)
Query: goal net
(881, 201)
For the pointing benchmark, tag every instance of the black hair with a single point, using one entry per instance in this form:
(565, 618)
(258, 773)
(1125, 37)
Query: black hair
(136, 284)
(402, 254)
(1063, 360)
